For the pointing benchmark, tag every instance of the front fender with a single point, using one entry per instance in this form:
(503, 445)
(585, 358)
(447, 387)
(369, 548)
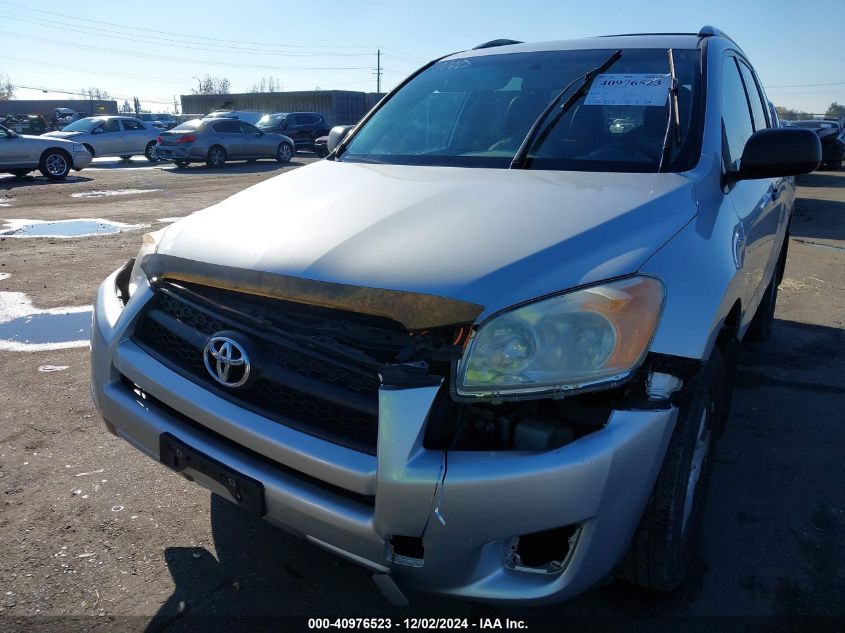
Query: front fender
(700, 270)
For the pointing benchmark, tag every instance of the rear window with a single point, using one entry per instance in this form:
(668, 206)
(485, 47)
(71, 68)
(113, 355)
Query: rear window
(188, 126)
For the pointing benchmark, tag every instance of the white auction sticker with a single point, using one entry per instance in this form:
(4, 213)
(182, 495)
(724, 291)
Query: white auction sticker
(637, 90)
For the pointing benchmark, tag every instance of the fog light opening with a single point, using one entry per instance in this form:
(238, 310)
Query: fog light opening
(405, 550)
(546, 552)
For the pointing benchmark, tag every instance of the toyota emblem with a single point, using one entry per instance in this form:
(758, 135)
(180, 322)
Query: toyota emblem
(227, 361)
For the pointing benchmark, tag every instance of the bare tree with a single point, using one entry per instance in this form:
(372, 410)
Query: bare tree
(126, 108)
(95, 94)
(213, 86)
(7, 90)
(267, 84)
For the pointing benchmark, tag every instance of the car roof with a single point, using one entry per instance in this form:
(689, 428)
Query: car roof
(633, 40)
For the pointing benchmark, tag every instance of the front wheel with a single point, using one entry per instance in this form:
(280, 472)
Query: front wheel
(216, 157)
(150, 152)
(55, 164)
(667, 535)
(284, 152)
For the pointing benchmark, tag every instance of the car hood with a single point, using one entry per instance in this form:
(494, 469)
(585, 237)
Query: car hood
(67, 135)
(492, 237)
(33, 137)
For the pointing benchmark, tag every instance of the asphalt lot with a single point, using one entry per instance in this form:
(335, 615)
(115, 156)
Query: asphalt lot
(90, 527)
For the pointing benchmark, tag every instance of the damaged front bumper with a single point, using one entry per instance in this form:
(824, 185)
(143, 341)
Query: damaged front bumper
(462, 511)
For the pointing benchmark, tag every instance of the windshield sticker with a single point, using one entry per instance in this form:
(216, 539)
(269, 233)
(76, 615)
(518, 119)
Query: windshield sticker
(452, 64)
(634, 90)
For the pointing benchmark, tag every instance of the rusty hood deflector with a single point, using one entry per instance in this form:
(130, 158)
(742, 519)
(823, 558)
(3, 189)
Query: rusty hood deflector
(416, 311)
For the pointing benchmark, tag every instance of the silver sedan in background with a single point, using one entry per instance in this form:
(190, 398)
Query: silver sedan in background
(21, 154)
(122, 136)
(214, 141)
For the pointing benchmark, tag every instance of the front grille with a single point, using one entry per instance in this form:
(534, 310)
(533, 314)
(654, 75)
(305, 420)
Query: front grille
(295, 384)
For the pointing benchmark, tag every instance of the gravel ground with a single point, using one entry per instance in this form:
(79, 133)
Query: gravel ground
(90, 528)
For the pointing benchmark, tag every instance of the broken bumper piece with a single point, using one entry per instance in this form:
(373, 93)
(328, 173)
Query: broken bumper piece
(445, 522)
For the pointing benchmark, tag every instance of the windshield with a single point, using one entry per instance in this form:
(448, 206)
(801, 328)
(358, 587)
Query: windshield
(271, 120)
(82, 125)
(814, 125)
(475, 112)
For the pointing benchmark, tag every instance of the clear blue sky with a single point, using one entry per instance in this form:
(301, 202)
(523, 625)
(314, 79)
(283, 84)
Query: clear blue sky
(152, 49)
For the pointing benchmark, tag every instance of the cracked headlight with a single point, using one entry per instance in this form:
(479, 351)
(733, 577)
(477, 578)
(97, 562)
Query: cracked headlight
(148, 246)
(564, 343)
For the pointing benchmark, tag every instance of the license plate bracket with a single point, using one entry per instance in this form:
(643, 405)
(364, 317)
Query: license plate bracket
(246, 491)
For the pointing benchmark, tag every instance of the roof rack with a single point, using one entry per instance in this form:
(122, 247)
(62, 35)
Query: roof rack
(493, 43)
(712, 31)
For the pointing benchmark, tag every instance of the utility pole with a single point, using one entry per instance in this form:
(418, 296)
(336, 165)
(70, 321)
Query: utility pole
(378, 71)
(175, 106)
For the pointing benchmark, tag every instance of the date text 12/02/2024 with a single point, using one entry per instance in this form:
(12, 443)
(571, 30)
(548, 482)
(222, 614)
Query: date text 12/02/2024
(413, 624)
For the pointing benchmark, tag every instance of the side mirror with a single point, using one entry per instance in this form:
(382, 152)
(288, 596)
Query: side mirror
(775, 152)
(97, 130)
(336, 136)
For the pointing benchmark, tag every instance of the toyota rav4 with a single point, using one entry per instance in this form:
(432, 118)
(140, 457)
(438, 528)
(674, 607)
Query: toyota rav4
(485, 348)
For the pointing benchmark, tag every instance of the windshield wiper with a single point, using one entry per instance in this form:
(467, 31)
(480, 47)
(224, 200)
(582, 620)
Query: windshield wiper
(673, 125)
(519, 159)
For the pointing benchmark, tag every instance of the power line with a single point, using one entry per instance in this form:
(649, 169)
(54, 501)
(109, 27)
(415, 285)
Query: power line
(168, 42)
(183, 36)
(180, 59)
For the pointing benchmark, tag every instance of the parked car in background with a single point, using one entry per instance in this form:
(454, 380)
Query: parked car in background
(54, 157)
(832, 138)
(214, 141)
(486, 350)
(168, 120)
(249, 117)
(112, 136)
(181, 118)
(320, 146)
(31, 124)
(151, 119)
(64, 116)
(303, 127)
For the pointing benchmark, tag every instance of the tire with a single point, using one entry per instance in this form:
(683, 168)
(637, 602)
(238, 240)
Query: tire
(284, 153)
(90, 149)
(55, 164)
(667, 535)
(760, 328)
(216, 156)
(181, 164)
(150, 152)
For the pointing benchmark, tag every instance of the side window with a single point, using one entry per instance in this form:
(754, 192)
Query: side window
(246, 128)
(758, 104)
(294, 119)
(227, 126)
(111, 125)
(130, 124)
(737, 127)
(313, 119)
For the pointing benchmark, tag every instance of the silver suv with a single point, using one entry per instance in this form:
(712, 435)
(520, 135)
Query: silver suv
(487, 346)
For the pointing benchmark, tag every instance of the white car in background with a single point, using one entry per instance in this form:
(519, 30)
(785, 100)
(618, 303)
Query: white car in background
(249, 117)
(21, 154)
(112, 136)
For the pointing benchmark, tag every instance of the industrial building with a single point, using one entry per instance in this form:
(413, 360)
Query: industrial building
(45, 107)
(340, 107)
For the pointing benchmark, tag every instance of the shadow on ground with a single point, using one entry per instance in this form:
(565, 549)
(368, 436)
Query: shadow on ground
(772, 543)
(8, 183)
